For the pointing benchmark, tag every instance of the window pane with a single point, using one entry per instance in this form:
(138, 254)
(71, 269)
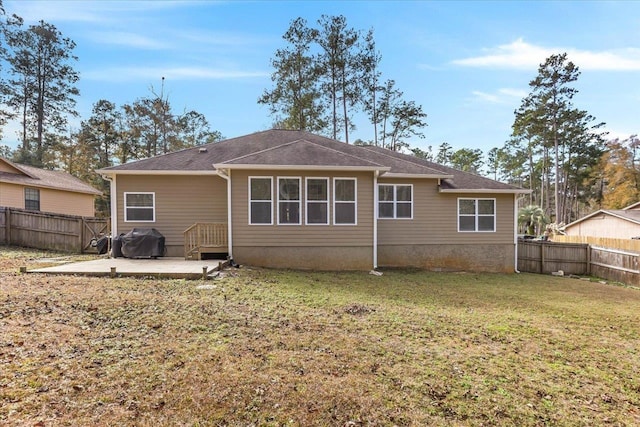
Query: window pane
(317, 189)
(467, 206)
(385, 193)
(345, 213)
(403, 210)
(289, 213)
(139, 214)
(385, 210)
(486, 207)
(317, 213)
(345, 190)
(486, 223)
(139, 200)
(403, 193)
(467, 223)
(289, 189)
(260, 212)
(260, 189)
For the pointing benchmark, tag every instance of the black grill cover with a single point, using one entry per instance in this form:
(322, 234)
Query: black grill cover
(142, 243)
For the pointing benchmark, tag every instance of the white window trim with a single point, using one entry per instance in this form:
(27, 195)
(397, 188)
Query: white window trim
(394, 201)
(299, 179)
(355, 202)
(126, 208)
(327, 201)
(476, 215)
(270, 178)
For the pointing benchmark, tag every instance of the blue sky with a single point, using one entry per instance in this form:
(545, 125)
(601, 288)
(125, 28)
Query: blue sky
(467, 63)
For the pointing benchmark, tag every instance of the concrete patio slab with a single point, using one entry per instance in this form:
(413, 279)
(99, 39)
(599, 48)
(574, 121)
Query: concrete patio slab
(175, 268)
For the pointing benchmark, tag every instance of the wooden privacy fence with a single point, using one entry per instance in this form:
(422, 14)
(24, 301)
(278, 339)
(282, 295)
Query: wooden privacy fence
(66, 233)
(579, 259)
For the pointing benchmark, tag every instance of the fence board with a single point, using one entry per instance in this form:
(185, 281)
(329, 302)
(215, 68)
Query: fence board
(66, 233)
(547, 257)
(579, 259)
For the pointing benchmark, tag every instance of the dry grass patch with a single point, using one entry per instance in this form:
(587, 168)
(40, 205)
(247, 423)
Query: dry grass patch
(278, 348)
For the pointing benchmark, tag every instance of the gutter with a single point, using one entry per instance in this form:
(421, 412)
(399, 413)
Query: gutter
(226, 175)
(515, 232)
(375, 219)
(113, 199)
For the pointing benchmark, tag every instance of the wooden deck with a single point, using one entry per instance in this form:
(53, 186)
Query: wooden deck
(205, 238)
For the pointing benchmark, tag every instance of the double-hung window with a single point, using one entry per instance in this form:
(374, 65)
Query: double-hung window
(289, 201)
(317, 201)
(344, 201)
(32, 199)
(477, 215)
(395, 201)
(139, 207)
(260, 200)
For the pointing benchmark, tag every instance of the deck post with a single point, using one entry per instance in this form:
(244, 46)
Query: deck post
(204, 272)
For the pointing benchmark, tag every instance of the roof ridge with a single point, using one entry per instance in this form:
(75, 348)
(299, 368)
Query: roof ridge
(405, 158)
(342, 153)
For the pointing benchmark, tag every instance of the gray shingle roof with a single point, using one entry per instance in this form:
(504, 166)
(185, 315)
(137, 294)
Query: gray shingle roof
(43, 178)
(280, 148)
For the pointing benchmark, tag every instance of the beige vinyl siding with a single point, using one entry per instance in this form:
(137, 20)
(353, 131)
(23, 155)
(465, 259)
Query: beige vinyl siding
(66, 202)
(435, 218)
(55, 201)
(604, 225)
(11, 195)
(302, 235)
(180, 201)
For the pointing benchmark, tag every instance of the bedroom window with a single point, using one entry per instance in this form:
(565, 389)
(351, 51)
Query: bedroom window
(344, 201)
(32, 199)
(317, 201)
(395, 201)
(477, 215)
(260, 200)
(288, 201)
(139, 207)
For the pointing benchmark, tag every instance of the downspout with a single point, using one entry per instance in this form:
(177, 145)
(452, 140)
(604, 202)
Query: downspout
(226, 175)
(113, 198)
(375, 219)
(515, 231)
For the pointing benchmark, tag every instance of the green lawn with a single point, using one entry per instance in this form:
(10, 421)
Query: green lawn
(266, 347)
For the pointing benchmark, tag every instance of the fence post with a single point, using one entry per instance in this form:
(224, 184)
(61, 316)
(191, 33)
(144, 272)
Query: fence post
(588, 260)
(7, 229)
(542, 246)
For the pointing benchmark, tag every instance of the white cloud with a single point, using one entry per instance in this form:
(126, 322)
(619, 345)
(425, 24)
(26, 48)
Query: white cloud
(127, 39)
(522, 55)
(501, 96)
(122, 74)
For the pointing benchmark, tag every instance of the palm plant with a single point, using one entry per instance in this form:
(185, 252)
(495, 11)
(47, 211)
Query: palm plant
(532, 218)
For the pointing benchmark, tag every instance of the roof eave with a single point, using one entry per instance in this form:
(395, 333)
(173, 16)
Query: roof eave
(111, 172)
(486, 191)
(302, 167)
(416, 175)
(53, 187)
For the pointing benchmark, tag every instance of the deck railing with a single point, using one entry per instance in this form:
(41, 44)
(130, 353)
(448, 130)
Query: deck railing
(205, 237)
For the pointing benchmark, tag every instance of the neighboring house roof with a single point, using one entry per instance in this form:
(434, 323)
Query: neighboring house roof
(624, 214)
(289, 149)
(635, 205)
(42, 178)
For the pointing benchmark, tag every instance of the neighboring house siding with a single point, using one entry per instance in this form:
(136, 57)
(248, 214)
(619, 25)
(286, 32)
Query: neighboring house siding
(604, 225)
(54, 201)
(11, 195)
(66, 202)
(180, 201)
(311, 246)
(431, 239)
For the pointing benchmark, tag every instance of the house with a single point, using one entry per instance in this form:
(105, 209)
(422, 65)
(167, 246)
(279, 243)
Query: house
(31, 188)
(291, 199)
(612, 223)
